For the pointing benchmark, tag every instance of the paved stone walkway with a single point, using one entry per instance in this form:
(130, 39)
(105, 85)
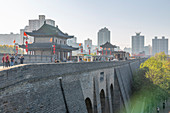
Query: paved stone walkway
(167, 107)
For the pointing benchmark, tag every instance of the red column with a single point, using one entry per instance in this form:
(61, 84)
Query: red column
(89, 51)
(102, 52)
(106, 52)
(110, 52)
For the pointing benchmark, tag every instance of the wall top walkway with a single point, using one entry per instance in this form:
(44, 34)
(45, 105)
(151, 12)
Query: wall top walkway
(75, 67)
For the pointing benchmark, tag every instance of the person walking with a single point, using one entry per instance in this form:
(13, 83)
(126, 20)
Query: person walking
(163, 105)
(16, 59)
(157, 109)
(21, 59)
(12, 60)
(7, 61)
(4, 61)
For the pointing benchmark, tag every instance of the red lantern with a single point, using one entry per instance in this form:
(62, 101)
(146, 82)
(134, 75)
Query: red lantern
(97, 51)
(26, 50)
(81, 50)
(17, 49)
(26, 42)
(26, 46)
(53, 49)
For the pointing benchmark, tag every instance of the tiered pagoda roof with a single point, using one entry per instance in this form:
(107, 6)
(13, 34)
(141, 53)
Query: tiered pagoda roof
(49, 31)
(108, 45)
(47, 46)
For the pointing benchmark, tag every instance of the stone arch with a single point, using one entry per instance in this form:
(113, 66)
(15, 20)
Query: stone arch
(88, 105)
(112, 97)
(102, 101)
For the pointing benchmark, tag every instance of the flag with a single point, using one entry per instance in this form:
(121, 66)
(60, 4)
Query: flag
(14, 41)
(25, 34)
(51, 39)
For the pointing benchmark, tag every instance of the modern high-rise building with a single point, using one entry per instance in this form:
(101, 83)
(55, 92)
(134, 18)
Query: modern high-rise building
(137, 44)
(159, 45)
(103, 36)
(87, 45)
(35, 24)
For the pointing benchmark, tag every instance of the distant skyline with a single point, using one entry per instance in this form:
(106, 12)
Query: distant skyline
(84, 18)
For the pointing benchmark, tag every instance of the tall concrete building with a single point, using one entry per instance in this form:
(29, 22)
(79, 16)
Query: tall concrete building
(35, 24)
(103, 36)
(137, 44)
(87, 45)
(159, 45)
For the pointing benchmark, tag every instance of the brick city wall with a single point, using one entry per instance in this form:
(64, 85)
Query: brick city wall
(35, 88)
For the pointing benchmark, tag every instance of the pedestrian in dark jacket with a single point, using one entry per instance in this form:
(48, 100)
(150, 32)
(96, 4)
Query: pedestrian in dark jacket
(21, 59)
(12, 60)
(4, 60)
(7, 61)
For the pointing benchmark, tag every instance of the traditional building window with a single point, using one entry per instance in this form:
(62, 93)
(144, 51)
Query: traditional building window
(56, 40)
(60, 42)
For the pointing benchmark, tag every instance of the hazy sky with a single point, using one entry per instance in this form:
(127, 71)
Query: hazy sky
(83, 18)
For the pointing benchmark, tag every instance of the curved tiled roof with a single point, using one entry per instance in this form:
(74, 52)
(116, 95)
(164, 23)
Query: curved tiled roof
(48, 31)
(40, 46)
(108, 45)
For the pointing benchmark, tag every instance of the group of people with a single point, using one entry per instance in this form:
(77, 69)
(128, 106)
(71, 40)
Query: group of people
(158, 109)
(11, 60)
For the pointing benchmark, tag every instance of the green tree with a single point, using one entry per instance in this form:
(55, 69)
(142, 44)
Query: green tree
(158, 71)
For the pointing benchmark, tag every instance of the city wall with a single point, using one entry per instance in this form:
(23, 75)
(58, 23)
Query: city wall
(91, 87)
